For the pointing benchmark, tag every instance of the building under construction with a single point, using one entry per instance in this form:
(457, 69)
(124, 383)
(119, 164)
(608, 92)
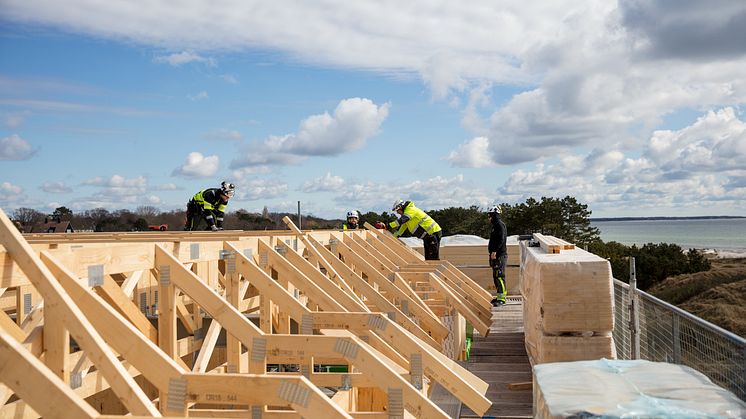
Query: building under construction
(318, 324)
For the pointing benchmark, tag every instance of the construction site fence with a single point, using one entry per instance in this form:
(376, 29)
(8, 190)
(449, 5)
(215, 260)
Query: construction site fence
(669, 334)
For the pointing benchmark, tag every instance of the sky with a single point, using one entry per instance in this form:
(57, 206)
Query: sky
(636, 108)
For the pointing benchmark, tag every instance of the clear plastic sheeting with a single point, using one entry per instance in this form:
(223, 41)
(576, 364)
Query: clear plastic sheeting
(629, 389)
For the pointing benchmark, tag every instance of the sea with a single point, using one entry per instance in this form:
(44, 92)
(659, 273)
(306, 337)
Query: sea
(724, 236)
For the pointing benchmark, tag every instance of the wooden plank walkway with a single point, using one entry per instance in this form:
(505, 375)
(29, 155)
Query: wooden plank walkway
(500, 359)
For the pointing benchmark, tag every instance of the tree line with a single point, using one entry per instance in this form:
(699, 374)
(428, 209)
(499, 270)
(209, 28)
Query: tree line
(565, 218)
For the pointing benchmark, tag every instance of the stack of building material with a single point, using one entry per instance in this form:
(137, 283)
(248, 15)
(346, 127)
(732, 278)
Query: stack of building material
(631, 388)
(568, 305)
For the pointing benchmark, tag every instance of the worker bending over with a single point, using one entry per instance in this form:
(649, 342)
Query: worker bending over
(419, 224)
(209, 205)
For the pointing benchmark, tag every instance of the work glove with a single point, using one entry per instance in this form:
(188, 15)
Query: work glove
(214, 228)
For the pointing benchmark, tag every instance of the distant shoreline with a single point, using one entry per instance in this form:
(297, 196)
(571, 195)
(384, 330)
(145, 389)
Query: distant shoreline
(701, 217)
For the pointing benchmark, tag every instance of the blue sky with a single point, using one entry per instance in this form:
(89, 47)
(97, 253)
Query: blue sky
(635, 109)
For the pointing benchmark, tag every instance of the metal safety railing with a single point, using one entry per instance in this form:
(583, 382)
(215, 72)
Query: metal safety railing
(651, 329)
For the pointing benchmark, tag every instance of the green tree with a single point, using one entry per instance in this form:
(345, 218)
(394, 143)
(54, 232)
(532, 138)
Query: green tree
(62, 212)
(565, 218)
(459, 220)
(653, 262)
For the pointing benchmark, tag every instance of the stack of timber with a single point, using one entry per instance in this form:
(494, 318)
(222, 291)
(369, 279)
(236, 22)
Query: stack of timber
(473, 260)
(233, 324)
(568, 302)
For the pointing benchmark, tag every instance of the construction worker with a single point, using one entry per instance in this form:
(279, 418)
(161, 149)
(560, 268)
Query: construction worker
(209, 205)
(498, 254)
(352, 221)
(419, 224)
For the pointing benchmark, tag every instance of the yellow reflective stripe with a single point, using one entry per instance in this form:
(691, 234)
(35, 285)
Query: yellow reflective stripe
(221, 207)
(394, 224)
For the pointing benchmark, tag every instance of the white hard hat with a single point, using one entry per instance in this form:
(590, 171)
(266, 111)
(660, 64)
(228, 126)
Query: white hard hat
(353, 214)
(397, 204)
(228, 189)
(494, 210)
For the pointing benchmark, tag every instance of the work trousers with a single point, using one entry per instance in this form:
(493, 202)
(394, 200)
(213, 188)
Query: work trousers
(498, 276)
(431, 242)
(195, 214)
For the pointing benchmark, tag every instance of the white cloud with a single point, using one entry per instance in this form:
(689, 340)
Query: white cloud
(119, 187)
(184, 57)
(56, 187)
(198, 166)
(583, 76)
(167, 187)
(325, 183)
(715, 142)
(15, 148)
(354, 122)
(9, 189)
(699, 166)
(433, 193)
(199, 96)
(473, 153)
(251, 188)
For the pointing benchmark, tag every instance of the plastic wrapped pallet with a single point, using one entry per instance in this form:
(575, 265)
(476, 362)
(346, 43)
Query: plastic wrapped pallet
(630, 388)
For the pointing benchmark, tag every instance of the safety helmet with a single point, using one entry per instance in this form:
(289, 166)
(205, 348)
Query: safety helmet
(494, 210)
(353, 214)
(397, 205)
(227, 189)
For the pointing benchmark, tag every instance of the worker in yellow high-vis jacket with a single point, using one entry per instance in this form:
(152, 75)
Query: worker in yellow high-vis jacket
(418, 224)
(209, 205)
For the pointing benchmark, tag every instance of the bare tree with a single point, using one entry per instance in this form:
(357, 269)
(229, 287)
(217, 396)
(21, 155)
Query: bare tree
(147, 211)
(28, 217)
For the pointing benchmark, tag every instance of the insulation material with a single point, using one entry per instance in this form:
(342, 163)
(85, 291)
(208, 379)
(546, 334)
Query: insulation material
(630, 388)
(574, 290)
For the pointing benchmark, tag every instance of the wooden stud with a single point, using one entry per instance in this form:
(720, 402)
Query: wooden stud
(35, 384)
(241, 389)
(340, 291)
(208, 345)
(118, 299)
(87, 337)
(157, 366)
(56, 344)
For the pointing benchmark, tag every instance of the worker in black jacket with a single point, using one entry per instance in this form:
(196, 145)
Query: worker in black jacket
(209, 205)
(498, 251)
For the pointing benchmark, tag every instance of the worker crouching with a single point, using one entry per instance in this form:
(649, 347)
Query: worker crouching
(420, 225)
(209, 205)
